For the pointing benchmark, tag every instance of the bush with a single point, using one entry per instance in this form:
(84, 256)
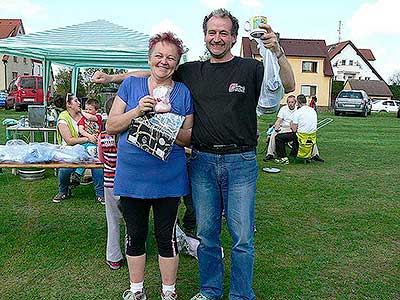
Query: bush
(337, 87)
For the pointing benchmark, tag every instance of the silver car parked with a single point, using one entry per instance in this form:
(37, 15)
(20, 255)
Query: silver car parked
(353, 101)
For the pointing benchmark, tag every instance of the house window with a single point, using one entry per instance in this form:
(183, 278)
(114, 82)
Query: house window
(350, 62)
(15, 59)
(309, 66)
(309, 90)
(26, 74)
(14, 75)
(343, 62)
(367, 78)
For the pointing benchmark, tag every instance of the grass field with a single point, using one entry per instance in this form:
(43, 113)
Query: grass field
(324, 230)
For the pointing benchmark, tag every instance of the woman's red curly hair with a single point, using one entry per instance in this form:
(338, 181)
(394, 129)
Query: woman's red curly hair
(168, 37)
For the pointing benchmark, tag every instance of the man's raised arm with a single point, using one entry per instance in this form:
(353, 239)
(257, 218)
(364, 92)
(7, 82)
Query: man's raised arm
(286, 74)
(103, 78)
(270, 41)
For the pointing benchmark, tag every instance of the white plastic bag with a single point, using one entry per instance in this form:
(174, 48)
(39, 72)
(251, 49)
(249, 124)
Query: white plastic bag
(21, 152)
(186, 244)
(272, 90)
(73, 154)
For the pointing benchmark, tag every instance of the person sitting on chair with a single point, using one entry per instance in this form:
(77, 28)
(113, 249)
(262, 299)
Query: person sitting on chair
(282, 125)
(304, 120)
(304, 123)
(67, 134)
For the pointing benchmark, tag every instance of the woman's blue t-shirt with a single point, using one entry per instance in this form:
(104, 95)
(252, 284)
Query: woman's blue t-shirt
(139, 174)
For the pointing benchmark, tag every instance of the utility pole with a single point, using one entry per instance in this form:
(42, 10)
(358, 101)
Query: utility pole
(339, 31)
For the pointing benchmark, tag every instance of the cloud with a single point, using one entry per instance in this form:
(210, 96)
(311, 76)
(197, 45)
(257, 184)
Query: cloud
(22, 9)
(376, 25)
(388, 69)
(167, 25)
(213, 4)
(380, 52)
(251, 3)
(379, 17)
(388, 61)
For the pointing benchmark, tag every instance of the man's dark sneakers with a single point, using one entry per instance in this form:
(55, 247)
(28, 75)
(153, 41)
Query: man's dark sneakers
(268, 157)
(282, 161)
(59, 197)
(317, 158)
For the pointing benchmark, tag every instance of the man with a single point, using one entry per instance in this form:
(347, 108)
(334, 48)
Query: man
(223, 165)
(282, 125)
(189, 217)
(304, 122)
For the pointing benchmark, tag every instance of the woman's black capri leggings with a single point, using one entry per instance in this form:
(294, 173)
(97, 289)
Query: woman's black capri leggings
(136, 215)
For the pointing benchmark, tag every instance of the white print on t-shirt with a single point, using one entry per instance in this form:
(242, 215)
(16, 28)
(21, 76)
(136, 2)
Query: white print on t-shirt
(235, 87)
(108, 141)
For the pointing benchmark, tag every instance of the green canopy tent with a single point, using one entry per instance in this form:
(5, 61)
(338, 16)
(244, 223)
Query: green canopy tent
(91, 44)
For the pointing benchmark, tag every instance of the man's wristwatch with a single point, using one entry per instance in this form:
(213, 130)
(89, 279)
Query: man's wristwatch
(282, 52)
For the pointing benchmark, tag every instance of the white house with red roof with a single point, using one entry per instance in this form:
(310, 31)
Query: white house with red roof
(349, 62)
(13, 66)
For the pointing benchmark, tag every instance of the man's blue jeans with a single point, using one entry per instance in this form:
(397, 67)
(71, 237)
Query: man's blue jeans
(225, 182)
(64, 175)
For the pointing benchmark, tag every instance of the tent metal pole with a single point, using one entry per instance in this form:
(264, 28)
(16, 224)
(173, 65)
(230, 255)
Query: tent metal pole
(46, 79)
(74, 80)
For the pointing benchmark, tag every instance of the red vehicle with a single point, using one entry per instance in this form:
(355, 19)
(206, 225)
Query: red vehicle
(25, 90)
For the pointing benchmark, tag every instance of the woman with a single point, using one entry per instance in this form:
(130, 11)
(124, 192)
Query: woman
(143, 181)
(67, 134)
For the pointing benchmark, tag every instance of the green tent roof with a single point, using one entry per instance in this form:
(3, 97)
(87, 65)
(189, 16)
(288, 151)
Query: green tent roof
(91, 44)
(98, 43)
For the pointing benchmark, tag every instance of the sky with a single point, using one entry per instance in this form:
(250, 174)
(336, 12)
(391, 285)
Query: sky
(372, 24)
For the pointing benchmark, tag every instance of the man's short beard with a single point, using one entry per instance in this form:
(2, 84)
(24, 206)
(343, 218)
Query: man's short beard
(217, 56)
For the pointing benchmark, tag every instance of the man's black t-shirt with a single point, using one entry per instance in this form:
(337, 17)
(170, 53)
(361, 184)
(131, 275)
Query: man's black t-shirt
(225, 97)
